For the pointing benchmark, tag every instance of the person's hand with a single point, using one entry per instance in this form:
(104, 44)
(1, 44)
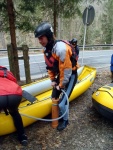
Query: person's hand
(58, 88)
(53, 84)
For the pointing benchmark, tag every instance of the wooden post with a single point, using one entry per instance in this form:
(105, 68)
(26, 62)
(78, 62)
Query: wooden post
(11, 58)
(26, 63)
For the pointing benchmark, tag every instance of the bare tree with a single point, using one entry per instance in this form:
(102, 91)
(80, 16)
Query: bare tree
(11, 16)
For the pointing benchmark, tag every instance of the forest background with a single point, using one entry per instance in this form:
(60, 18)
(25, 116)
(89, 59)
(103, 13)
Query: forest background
(64, 15)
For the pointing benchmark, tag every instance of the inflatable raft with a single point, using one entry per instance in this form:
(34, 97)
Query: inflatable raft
(41, 107)
(103, 100)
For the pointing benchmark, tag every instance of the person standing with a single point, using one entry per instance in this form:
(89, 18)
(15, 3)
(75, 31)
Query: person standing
(10, 98)
(62, 73)
(73, 42)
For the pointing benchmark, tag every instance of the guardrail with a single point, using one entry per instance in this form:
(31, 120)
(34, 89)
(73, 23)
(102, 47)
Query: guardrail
(97, 45)
(30, 48)
(81, 46)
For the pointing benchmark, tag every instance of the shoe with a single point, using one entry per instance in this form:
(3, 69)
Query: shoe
(62, 125)
(60, 114)
(23, 140)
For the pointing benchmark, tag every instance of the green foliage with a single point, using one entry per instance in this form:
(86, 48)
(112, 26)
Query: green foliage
(26, 15)
(107, 22)
(29, 13)
(3, 15)
(64, 8)
(28, 6)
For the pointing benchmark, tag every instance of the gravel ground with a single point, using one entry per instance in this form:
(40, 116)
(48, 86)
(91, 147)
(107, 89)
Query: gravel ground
(87, 130)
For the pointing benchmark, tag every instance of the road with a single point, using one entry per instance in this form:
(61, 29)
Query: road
(97, 59)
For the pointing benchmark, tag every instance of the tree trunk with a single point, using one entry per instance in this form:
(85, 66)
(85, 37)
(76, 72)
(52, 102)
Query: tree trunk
(11, 15)
(55, 16)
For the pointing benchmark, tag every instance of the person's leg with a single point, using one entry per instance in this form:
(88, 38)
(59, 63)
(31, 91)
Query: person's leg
(63, 102)
(3, 102)
(13, 103)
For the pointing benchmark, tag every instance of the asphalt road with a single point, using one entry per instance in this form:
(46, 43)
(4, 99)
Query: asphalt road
(97, 59)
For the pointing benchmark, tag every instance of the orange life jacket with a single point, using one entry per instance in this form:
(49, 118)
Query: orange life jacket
(52, 63)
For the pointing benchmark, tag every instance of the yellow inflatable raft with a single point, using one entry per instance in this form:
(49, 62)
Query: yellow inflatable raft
(103, 100)
(42, 106)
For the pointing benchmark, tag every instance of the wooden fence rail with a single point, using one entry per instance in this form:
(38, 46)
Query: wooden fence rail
(25, 58)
